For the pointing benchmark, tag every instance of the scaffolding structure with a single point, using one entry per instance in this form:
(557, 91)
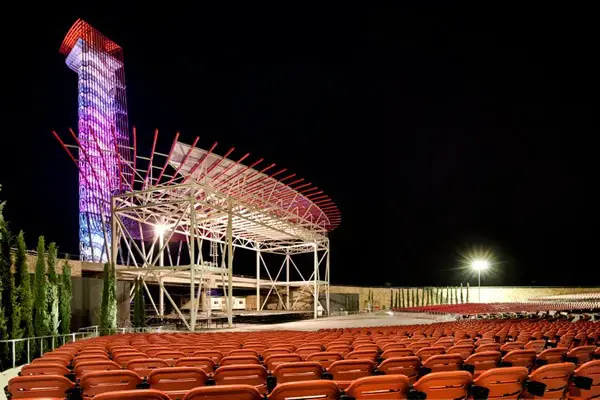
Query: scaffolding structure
(152, 215)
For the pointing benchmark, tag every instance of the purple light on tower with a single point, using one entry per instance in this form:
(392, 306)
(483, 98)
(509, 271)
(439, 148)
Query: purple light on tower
(103, 132)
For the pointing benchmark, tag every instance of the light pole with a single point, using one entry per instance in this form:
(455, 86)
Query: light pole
(479, 265)
(160, 231)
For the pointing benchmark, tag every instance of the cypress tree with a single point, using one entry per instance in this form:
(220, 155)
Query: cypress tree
(40, 316)
(448, 295)
(391, 299)
(66, 294)
(7, 282)
(52, 298)
(108, 312)
(454, 295)
(419, 298)
(467, 292)
(462, 299)
(409, 297)
(24, 295)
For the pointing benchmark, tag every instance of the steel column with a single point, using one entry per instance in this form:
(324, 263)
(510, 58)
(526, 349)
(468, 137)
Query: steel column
(287, 281)
(316, 288)
(258, 307)
(230, 265)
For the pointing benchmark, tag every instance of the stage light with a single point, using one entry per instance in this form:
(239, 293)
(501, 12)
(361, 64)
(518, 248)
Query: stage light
(160, 229)
(480, 265)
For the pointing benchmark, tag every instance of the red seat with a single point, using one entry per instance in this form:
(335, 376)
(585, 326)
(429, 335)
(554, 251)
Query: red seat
(590, 369)
(396, 352)
(47, 387)
(228, 392)
(215, 355)
(177, 381)
(582, 354)
(445, 385)
(255, 375)
(503, 383)
(148, 394)
(383, 387)
(426, 352)
(443, 362)
(89, 366)
(520, 358)
(144, 366)
(555, 377)
(297, 371)
(204, 363)
(465, 350)
(553, 356)
(483, 361)
(362, 355)
(325, 358)
(96, 382)
(44, 369)
(239, 360)
(345, 371)
(321, 389)
(408, 366)
(273, 361)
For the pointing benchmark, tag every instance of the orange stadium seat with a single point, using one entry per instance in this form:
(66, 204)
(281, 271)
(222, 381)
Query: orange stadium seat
(255, 375)
(177, 381)
(204, 363)
(96, 382)
(383, 387)
(147, 394)
(556, 378)
(343, 372)
(143, 366)
(408, 366)
(237, 392)
(273, 361)
(321, 390)
(591, 371)
(503, 383)
(297, 371)
(445, 385)
(39, 387)
(44, 369)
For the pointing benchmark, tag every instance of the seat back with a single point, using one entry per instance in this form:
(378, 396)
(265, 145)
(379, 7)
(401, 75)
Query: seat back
(483, 361)
(553, 356)
(396, 352)
(39, 386)
(408, 366)
(239, 360)
(582, 354)
(273, 361)
(44, 369)
(321, 390)
(243, 352)
(348, 370)
(237, 392)
(445, 385)
(271, 351)
(143, 366)
(520, 358)
(214, 354)
(555, 377)
(89, 366)
(465, 350)
(362, 355)
(443, 362)
(170, 356)
(123, 358)
(176, 381)
(307, 349)
(297, 371)
(149, 394)
(427, 352)
(382, 387)
(53, 360)
(204, 363)
(255, 375)
(590, 369)
(340, 348)
(512, 346)
(503, 383)
(325, 358)
(537, 345)
(96, 382)
(488, 347)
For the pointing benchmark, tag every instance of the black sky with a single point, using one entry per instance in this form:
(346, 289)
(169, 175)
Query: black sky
(435, 130)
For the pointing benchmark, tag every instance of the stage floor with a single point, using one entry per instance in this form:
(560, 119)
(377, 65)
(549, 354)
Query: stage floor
(350, 321)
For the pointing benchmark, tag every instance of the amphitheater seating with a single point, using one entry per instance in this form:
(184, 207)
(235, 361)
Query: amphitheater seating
(541, 358)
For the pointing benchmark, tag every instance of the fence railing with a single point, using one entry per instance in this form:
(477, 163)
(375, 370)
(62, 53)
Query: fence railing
(46, 343)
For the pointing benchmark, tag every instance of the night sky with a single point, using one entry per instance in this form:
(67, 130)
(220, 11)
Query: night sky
(436, 131)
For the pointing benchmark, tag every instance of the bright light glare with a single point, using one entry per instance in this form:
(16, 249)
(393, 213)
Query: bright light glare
(160, 229)
(480, 265)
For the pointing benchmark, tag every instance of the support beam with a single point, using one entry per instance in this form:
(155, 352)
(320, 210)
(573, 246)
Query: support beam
(193, 314)
(230, 265)
(287, 281)
(327, 273)
(258, 307)
(316, 288)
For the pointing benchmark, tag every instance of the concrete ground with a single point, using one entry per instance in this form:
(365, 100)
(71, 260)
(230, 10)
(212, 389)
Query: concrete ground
(350, 321)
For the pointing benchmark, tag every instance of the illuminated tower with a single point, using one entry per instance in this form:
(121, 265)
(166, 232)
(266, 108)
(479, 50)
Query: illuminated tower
(102, 132)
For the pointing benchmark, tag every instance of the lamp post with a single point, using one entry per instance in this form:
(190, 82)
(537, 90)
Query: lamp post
(479, 265)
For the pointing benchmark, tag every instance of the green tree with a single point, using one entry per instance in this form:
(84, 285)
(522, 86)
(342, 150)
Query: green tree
(24, 295)
(66, 294)
(392, 299)
(108, 312)
(52, 298)
(418, 297)
(139, 312)
(40, 315)
(409, 297)
(447, 295)
(467, 292)
(10, 306)
(462, 299)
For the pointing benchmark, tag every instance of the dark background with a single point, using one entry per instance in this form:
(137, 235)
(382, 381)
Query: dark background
(437, 131)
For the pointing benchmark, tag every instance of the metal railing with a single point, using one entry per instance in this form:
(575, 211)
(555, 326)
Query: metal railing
(51, 341)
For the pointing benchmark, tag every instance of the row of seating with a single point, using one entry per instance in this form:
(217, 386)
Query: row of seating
(550, 381)
(501, 308)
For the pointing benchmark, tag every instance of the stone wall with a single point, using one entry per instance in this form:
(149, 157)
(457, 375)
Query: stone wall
(75, 265)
